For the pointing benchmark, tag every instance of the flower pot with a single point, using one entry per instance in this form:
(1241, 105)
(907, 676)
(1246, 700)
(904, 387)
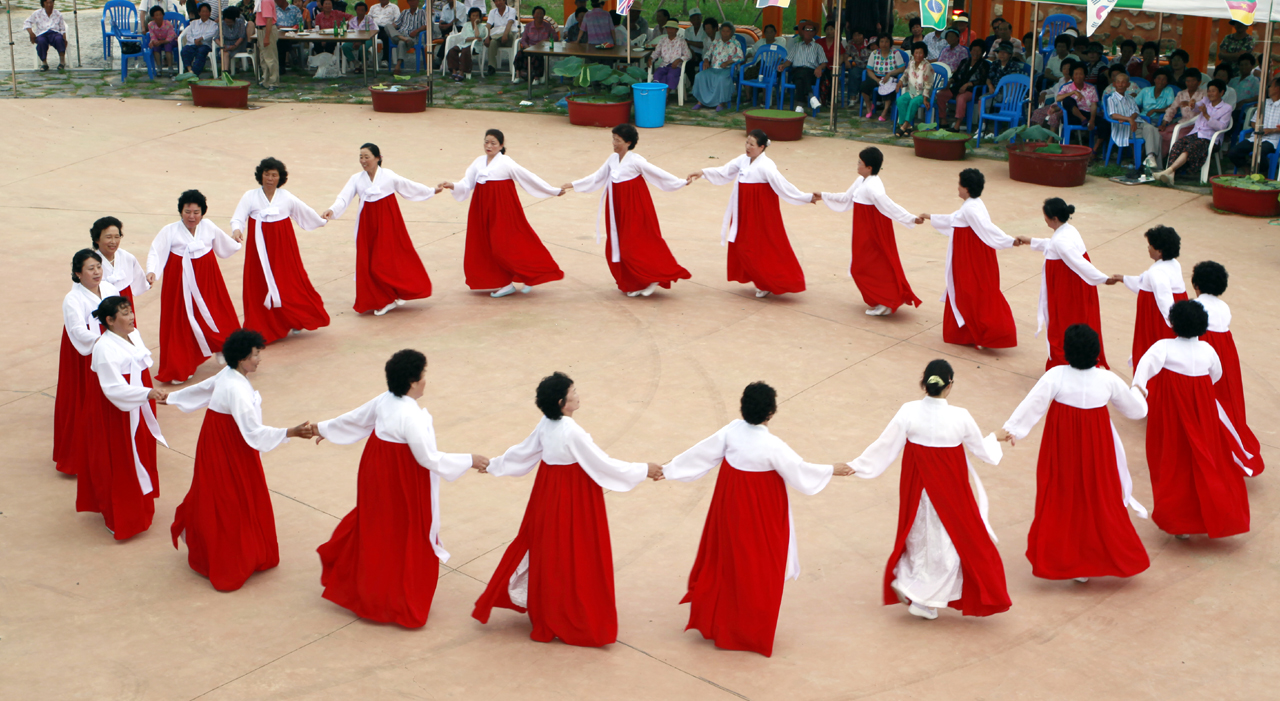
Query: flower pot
(235, 96)
(778, 125)
(939, 149)
(1066, 169)
(403, 100)
(588, 113)
(1252, 203)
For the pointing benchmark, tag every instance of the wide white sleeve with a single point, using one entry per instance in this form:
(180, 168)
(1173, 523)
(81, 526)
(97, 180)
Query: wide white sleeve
(121, 394)
(520, 459)
(422, 442)
(892, 209)
(260, 437)
(78, 331)
(697, 461)
(223, 246)
(1073, 256)
(1033, 406)
(980, 221)
(986, 449)
(158, 255)
(193, 398)
(660, 178)
(1134, 283)
(722, 175)
(303, 215)
(355, 425)
(946, 223)
(1163, 293)
(785, 190)
(240, 218)
(880, 455)
(344, 198)
(1215, 368)
(805, 477)
(1150, 365)
(593, 182)
(842, 201)
(1041, 245)
(609, 473)
(1128, 400)
(410, 190)
(462, 189)
(137, 276)
(531, 183)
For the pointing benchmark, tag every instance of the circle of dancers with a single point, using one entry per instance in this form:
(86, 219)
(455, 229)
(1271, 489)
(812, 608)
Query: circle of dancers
(383, 558)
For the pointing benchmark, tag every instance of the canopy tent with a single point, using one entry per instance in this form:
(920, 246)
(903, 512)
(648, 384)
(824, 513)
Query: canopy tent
(1216, 9)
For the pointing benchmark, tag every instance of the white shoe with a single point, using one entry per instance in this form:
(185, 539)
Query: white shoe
(634, 294)
(925, 612)
(763, 293)
(1183, 536)
(1082, 580)
(1150, 161)
(385, 309)
(879, 310)
(400, 302)
(526, 289)
(175, 382)
(815, 103)
(800, 110)
(509, 289)
(653, 287)
(515, 80)
(1166, 178)
(295, 332)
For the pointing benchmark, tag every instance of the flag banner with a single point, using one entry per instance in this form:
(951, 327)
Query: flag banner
(1242, 12)
(773, 3)
(933, 14)
(624, 7)
(1097, 12)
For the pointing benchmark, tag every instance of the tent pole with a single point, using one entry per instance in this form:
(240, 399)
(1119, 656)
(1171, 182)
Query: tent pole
(1263, 90)
(835, 67)
(75, 14)
(1159, 34)
(1035, 39)
(13, 65)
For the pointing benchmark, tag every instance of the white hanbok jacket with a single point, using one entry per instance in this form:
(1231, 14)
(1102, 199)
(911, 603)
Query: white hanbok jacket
(502, 167)
(231, 393)
(869, 190)
(283, 205)
(385, 183)
(113, 358)
(743, 170)
(125, 272)
(400, 420)
(1219, 312)
(616, 170)
(175, 238)
(752, 448)
(972, 214)
(1163, 279)
(78, 307)
(1066, 245)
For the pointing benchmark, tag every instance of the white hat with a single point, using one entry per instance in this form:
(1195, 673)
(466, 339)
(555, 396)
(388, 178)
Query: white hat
(695, 11)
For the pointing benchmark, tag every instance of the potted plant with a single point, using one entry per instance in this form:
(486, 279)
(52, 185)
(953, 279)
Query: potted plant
(778, 125)
(1251, 195)
(940, 144)
(218, 92)
(1041, 160)
(601, 110)
(400, 97)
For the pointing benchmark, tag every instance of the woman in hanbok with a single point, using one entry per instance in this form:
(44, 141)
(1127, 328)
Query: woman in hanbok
(1068, 283)
(278, 295)
(1157, 289)
(759, 250)
(1196, 484)
(945, 551)
(383, 560)
(226, 518)
(119, 267)
(976, 312)
(638, 257)
(559, 568)
(875, 266)
(120, 479)
(196, 314)
(502, 248)
(1209, 279)
(1081, 527)
(388, 269)
(80, 330)
(748, 547)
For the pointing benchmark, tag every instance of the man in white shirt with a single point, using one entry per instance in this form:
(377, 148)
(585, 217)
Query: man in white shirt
(697, 39)
(503, 24)
(198, 40)
(1242, 153)
(384, 14)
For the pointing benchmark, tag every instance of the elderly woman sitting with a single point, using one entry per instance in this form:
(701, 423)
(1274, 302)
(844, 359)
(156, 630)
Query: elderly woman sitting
(913, 89)
(235, 36)
(46, 28)
(714, 84)
(1212, 114)
(163, 37)
(539, 30)
(668, 57)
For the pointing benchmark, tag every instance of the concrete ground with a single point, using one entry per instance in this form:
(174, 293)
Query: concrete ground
(82, 616)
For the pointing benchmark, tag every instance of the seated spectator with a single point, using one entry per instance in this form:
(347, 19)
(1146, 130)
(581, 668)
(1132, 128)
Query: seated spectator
(1183, 102)
(288, 16)
(915, 33)
(1004, 65)
(234, 38)
(1131, 90)
(856, 53)
(329, 18)
(639, 27)
(573, 33)
(163, 38)
(1128, 48)
(807, 62)
(1242, 153)
(198, 38)
(1061, 52)
(660, 19)
(669, 56)
(1095, 66)
(714, 83)
(913, 89)
(597, 26)
(1212, 114)
(1079, 44)
(697, 37)
(412, 22)
(884, 65)
(539, 30)
(967, 35)
(575, 18)
(306, 21)
(953, 54)
(361, 22)
(1223, 72)
(1178, 66)
(937, 42)
(1245, 83)
(1003, 34)
(1129, 122)
(1050, 114)
(459, 59)
(1078, 99)
(1036, 60)
(451, 17)
(46, 28)
(1146, 65)
(1154, 100)
(1236, 44)
(971, 74)
(770, 37)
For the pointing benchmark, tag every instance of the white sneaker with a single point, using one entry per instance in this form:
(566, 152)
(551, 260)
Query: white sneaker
(175, 382)
(509, 289)
(800, 110)
(515, 80)
(385, 309)
(526, 289)
(925, 612)
(1151, 161)
(634, 294)
(815, 103)
(879, 310)
(1183, 536)
(1082, 580)
(763, 293)
(400, 302)
(295, 332)
(653, 287)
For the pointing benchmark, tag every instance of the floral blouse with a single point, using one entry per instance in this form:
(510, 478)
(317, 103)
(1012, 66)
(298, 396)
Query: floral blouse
(918, 78)
(722, 51)
(669, 51)
(1086, 100)
(881, 64)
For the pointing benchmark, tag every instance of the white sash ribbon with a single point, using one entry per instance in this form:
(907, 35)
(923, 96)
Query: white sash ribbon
(434, 535)
(190, 294)
(273, 293)
(142, 413)
(729, 227)
(1226, 421)
(606, 200)
(1126, 480)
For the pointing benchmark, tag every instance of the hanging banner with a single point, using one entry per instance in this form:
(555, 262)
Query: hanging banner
(1096, 12)
(1241, 12)
(773, 3)
(933, 14)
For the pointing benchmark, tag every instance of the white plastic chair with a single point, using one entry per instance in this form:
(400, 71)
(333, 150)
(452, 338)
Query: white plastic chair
(453, 41)
(680, 85)
(509, 52)
(1214, 156)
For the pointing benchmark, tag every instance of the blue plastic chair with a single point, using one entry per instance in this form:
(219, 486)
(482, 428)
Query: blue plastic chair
(179, 22)
(1010, 101)
(784, 86)
(123, 17)
(1273, 158)
(1055, 25)
(1136, 142)
(1140, 82)
(768, 58)
(420, 48)
(940, 78)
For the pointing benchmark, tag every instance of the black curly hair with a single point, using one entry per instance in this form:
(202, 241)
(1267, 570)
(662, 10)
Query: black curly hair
(240, 344)
(552, 392)
(1166, 240)
(101, 225)
(275, 164)
(193, 197)
(1081, 345)
(403, 369)
(1209, 277)
(759, 402)
(972, 180)
(1188, 319)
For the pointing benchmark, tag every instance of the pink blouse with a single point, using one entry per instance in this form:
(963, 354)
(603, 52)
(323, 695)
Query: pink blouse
(162, 32)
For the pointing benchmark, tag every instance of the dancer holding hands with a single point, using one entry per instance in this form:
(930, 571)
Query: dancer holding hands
(119, 267)
(80, 330)
(1158, 289)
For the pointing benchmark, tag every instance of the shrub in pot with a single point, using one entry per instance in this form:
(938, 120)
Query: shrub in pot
(778, 125)
(1251, 195)
(611, 105)
(401, 97)
(1041, 160)
(940, 144)
(223, 91)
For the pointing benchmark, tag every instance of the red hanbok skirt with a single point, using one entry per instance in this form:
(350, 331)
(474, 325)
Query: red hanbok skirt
(501, 246)
(179, 352)
(109, 483)
(645, 257)
(1149, 325)
(1082, 526)
(975, 273)
(68, 407)
(379, 563)
(226, 517)
(1070, 301)
(1196, 485)
(875, 266)
(762, 254)
(301, 306)
(387, 265)
(565, 533)
(945, 473)
(735, 587)
(1230, 392)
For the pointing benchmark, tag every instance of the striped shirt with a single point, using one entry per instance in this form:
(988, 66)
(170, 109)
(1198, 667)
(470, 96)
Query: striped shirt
(1270, 120)
(411, 20)
(1123, 105)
